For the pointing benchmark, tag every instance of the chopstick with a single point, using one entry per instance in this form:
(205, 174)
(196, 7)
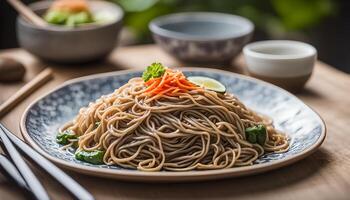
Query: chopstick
(66, 181)
(12, 174)
(32, 182)
(27, 13)
(11, 171)
(25, 91)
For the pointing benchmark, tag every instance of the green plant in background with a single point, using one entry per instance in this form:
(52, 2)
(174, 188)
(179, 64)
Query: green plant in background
(300, 14)
(271, 16)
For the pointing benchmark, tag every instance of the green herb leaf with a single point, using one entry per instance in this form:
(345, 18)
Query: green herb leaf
(93, 157)
(155, 70)
(64, 137)
(256, 134)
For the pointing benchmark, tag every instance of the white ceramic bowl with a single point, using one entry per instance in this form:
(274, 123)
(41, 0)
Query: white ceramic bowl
(286, 63)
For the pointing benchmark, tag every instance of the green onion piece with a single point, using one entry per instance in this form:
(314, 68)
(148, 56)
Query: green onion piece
(251, 137)
(93, 157)
(64, 137)
(256, 134)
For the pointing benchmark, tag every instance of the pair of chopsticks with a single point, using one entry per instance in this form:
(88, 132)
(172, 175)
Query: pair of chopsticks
(22, 174)
(15, 166)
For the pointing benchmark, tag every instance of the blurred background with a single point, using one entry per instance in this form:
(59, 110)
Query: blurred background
(323, 23)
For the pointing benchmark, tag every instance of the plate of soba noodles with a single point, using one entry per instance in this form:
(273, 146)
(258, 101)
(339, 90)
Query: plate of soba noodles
(171, 124)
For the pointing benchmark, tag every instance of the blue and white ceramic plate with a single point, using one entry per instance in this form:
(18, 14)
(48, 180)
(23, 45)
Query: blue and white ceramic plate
(41, 120)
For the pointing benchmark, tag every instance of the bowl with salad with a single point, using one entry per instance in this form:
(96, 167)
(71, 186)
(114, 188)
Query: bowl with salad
(77, 31)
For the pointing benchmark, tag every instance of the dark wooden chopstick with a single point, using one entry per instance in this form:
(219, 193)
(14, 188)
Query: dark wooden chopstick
(27, 174)
(66, 181)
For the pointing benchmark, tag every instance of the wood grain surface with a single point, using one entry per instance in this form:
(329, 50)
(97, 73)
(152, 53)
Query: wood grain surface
(323, 175)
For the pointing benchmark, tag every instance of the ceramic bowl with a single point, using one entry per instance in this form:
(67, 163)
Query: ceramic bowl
(71, 45)
(288, 64)
(202, 36)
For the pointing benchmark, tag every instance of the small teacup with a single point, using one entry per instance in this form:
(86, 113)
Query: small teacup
(285, 63)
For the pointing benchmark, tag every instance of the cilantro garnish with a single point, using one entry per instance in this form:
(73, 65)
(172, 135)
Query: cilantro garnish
(155, 70)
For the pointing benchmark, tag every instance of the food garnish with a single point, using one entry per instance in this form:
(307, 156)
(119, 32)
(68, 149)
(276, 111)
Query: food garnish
(207, 83)
(256, 134)
(93, 157)
(161, 80)
(64, 137)
(155, 70)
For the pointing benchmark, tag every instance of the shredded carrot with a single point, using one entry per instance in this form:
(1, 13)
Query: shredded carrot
(73, 6)
(171, 83)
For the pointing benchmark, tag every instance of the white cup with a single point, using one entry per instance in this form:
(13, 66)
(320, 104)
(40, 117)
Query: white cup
(288, 64)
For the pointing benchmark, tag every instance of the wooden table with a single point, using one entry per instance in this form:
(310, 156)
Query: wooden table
(323, 175)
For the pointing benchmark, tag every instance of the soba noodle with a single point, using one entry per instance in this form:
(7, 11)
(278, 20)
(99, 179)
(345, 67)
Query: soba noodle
(196, 130)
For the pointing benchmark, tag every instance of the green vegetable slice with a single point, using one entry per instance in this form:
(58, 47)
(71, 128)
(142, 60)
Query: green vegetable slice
(93, 157)
(155, 70)
(251, 137)
(256, 134)
(64, 137)
(67, 18)
(207, 83)
(56, 17)
(79, 18)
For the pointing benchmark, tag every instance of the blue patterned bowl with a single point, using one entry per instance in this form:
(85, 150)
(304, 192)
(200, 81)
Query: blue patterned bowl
(41, 120)
(202, 37)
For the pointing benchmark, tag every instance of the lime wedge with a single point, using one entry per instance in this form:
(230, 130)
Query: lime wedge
(207, 83)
